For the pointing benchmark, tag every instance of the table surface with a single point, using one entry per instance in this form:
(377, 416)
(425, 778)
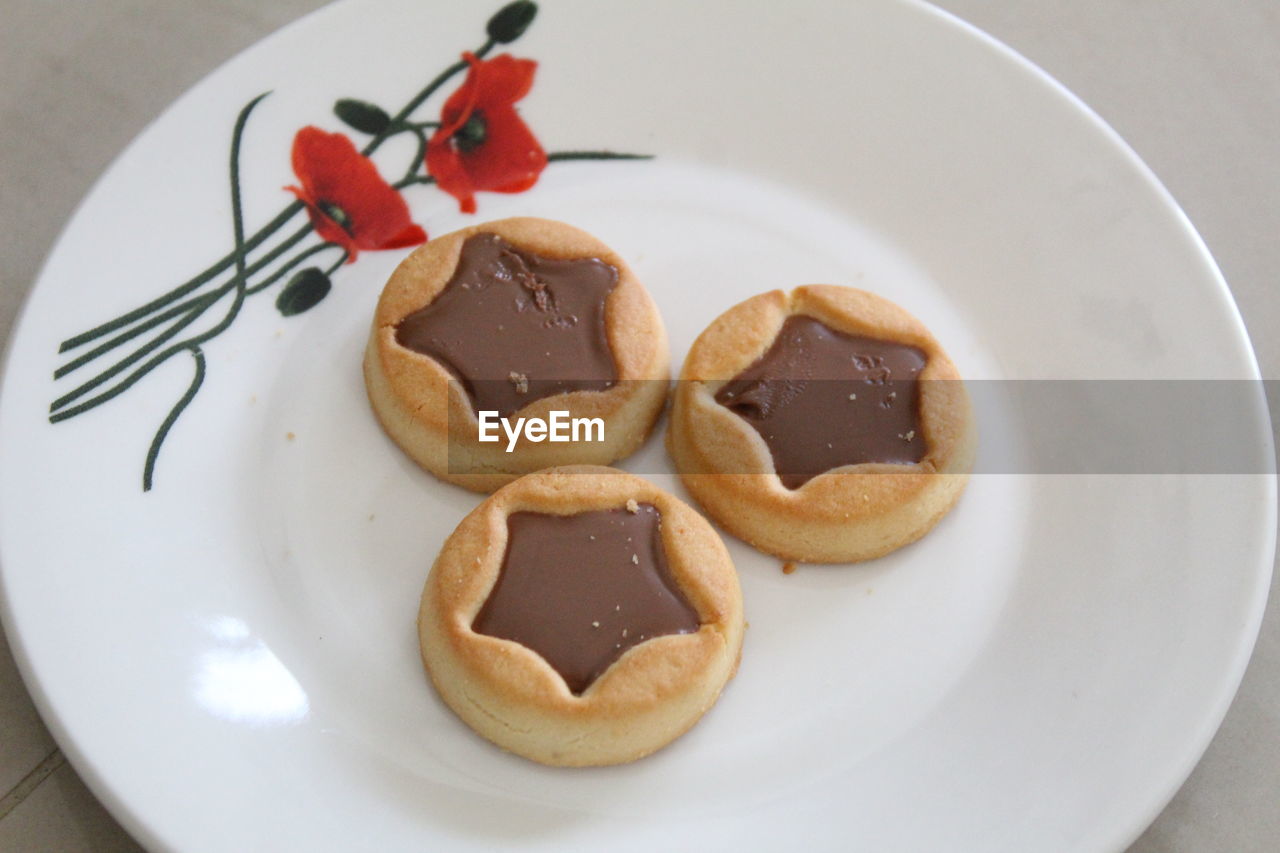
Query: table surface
(1193, 86)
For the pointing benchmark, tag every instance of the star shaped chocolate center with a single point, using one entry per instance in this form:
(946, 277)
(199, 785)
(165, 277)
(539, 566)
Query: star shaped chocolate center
(514, 327)
(821, 399)
(580, 590)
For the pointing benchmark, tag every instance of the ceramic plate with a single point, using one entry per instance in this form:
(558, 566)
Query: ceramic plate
(229, 656)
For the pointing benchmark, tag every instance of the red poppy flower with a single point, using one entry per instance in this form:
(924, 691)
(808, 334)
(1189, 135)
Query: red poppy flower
(348, 201)
(482, 143)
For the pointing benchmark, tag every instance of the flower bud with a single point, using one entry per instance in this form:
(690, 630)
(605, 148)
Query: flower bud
(303, 292)
(510, 22)
(362, 115)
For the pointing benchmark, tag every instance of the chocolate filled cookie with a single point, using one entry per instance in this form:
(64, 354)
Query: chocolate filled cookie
(519, 318)
(822, 425)
(581, 616)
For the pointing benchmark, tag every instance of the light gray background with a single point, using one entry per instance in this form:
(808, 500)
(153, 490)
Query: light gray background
(1193, 85)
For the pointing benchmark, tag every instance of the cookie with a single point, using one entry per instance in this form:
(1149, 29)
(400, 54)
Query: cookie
(823, 425)
(581, 616)
(519, 318)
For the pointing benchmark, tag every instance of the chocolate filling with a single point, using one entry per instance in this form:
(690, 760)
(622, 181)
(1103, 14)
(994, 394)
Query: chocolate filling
(821, 399)
(514, 327)
(582, 589)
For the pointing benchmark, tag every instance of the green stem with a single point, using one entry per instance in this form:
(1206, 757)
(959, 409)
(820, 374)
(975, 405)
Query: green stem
(116, 369)
(293, 262)
(339, 262)
(183, 289)
(129, 381)
(413, 181)
(153, 452)
(398, 124)
(417, 161)
(400, 119)
(237, 217)
(595, 155)
(198, 304)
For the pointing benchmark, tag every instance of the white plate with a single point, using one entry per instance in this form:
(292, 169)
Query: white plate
(230, 659)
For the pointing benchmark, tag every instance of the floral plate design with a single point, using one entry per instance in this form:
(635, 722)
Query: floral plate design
(479, 144)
